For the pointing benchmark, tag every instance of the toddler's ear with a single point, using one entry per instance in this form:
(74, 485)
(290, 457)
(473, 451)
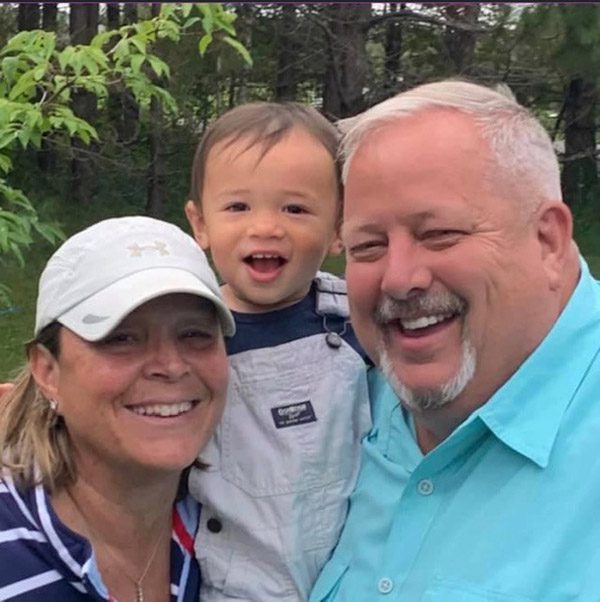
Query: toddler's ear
(336, 247)
(196, 220)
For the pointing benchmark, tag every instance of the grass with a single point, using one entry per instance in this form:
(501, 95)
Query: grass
(16, 322)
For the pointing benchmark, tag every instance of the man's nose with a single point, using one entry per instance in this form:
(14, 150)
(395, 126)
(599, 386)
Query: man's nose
(406, 272)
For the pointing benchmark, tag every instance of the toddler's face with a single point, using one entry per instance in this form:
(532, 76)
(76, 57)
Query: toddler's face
(269, 221)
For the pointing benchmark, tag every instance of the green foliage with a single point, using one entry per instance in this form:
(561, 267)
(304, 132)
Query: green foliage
(38, 81)
(215, 20)
(571, 38)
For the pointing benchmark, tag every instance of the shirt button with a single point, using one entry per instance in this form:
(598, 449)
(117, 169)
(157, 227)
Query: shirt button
(214, 525)
(425, 487)
(385, 585)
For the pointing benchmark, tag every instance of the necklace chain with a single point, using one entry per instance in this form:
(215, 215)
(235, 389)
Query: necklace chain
(139, 591)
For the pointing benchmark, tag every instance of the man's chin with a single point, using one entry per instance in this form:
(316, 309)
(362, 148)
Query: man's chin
(421, 399)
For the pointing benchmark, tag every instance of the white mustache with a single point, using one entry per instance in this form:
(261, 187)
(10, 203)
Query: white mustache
(389, 309)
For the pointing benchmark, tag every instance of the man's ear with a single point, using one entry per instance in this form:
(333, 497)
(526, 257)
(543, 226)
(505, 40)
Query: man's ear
(196, 220)
(45, 370)
(555, 235)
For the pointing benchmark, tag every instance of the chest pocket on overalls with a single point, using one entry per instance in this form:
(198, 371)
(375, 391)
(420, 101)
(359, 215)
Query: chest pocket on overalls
(297, 426)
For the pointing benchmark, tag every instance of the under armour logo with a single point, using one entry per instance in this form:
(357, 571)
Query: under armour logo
(137, 250)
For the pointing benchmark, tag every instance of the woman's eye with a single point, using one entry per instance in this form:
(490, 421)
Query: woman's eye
(197, 337)
(118, 339)
(195, 333)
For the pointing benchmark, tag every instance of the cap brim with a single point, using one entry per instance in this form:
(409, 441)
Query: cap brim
(95, 317)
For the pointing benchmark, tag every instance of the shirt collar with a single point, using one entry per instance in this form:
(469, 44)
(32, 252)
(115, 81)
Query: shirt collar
(526, 412)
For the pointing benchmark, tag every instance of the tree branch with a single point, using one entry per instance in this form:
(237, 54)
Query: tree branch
(409, 15)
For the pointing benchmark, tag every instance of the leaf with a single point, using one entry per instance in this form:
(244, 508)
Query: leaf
(239, 47)
(99, 56)
(208, 20)
(39, 72)
(24, 86)
(9, 66)
(139, 43)
(205, 40)
(136, 62)
(189, 22)
(159, 66)
(102, 38)
(23, 136)
(225, 20)
(7, 137)
(64, 57)
(5, 163)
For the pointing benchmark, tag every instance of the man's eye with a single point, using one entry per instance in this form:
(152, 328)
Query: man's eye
(442, 237)
(368, 249)
(295, 209)
(236, 206)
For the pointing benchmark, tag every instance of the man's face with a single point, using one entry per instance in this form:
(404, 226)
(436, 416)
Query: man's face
(445, 274)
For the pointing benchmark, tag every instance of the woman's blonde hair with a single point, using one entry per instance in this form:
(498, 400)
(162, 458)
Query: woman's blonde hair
(35, 443)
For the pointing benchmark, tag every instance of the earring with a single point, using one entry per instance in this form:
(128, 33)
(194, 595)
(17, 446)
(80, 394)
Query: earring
(53, 404)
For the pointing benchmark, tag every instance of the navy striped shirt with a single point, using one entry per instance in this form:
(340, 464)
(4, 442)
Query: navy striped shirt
(42, 559)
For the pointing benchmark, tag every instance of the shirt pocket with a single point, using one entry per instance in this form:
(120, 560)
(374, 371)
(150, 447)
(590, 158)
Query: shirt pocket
(457, 591)
(328, 583)
(294, 418)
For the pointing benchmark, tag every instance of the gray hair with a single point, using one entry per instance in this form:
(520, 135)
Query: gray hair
(519, 144)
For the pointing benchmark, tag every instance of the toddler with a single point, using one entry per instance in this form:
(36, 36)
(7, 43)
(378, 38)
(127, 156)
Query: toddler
(266, 201)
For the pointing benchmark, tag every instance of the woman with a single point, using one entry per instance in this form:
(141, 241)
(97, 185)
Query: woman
(126, 380)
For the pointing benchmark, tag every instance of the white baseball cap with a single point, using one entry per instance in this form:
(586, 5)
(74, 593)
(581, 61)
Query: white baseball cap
(100, 275)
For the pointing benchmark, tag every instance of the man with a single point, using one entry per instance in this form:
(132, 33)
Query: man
(480, 480)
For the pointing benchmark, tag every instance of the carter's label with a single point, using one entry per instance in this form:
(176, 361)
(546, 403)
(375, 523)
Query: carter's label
(293, 414)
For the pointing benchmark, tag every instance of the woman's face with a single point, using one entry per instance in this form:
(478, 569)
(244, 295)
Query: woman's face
(149, 395)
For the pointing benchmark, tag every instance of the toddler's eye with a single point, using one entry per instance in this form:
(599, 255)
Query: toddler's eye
(237, 206)
(295, 209)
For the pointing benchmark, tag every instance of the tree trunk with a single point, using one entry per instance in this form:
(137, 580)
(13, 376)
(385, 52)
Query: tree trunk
(123, 109)
(286, 85)
(49, 17)
(113, 15)
(46, 157)
(244, 26)
(580, 174)
(28, 17)
(83, 25)
(155, 192)
(130, 13)
(460, 44)
(393, 52)
(346, 72)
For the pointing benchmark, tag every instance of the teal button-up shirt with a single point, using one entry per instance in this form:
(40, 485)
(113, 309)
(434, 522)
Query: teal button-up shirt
(507, 508)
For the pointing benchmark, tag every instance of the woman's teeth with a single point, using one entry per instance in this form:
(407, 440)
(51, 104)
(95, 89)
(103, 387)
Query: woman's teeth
(163, 409)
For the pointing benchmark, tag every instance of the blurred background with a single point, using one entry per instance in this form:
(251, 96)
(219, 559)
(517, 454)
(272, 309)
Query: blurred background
(102, 104)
